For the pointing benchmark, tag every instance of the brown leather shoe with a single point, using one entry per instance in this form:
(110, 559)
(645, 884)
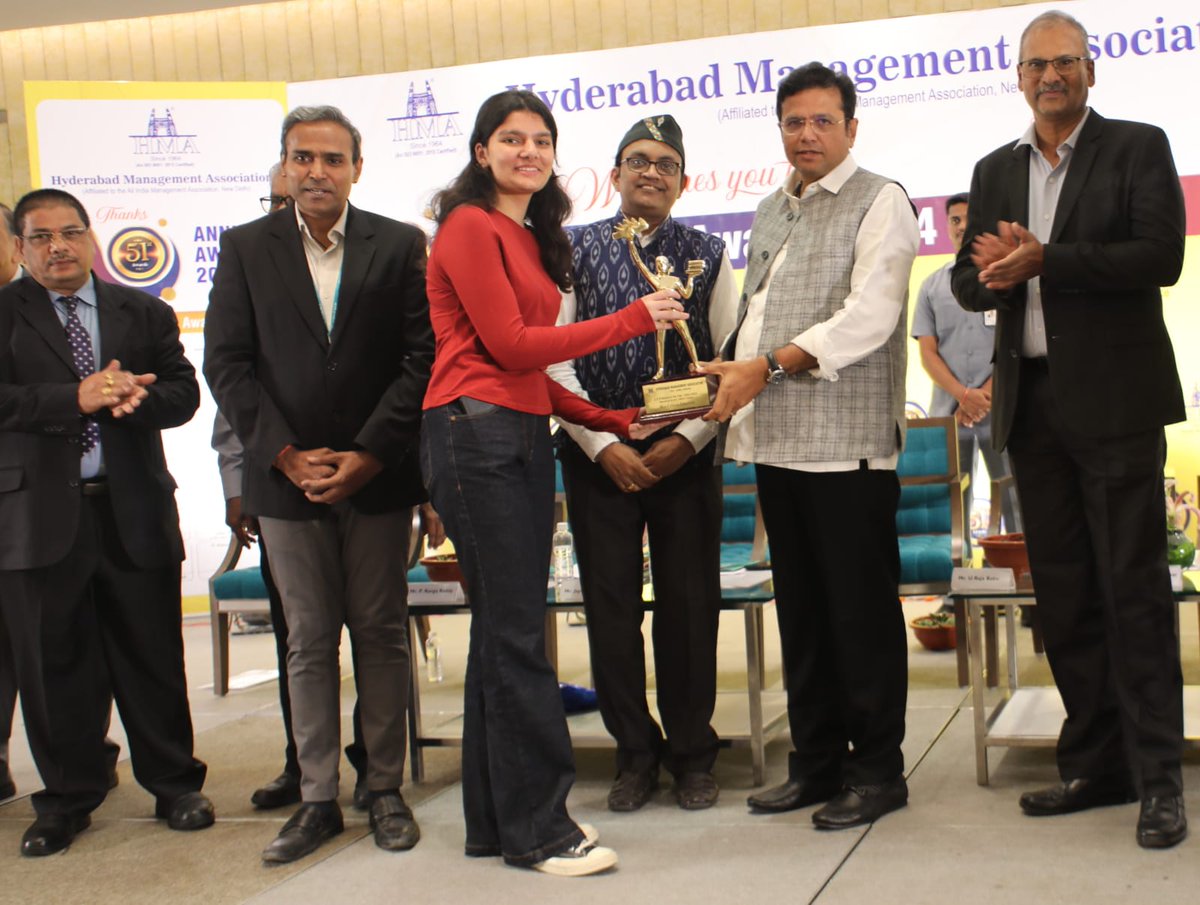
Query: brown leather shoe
(632, 789)
(696, 791)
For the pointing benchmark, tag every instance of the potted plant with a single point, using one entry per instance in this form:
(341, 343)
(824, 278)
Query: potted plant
(1181, 507)
(935, 631)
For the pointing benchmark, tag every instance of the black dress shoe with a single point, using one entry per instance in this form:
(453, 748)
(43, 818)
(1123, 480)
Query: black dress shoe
(303, 834)
(1078, 795)
(52, 833)
(392, 822)
(1162, 822)
(632, 789)
(281, 791)
(793, 794)
(696, 790)
(860, 805)
(190, 811)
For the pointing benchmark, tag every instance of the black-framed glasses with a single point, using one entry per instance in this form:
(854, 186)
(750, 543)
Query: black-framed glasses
(1063, 65)
(821, 124)
(665, 165)
(42, 238)
(273, 202)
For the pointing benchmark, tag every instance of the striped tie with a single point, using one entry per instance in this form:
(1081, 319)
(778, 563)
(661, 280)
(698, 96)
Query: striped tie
(85, 363)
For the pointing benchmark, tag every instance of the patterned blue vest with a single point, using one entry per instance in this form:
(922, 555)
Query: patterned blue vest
(606, 280)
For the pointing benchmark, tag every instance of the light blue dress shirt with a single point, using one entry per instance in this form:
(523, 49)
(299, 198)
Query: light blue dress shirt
(91, 463)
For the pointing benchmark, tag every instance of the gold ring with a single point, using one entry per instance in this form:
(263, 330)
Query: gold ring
(108, 378)
(107, 391)
(631, 487)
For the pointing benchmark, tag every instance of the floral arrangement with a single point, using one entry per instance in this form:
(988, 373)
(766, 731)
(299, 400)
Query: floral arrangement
(1181, 507)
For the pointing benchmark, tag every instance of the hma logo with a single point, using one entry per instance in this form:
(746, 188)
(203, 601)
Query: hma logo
(421, 120)
(161, 137)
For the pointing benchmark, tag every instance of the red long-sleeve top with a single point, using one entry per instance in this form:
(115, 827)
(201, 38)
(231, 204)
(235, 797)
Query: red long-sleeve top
(493, 309)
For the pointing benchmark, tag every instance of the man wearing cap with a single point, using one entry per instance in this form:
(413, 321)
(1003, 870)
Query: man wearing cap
(665, 485)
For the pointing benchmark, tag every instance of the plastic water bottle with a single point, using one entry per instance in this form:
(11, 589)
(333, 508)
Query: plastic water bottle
(563, 559)
(433, 658)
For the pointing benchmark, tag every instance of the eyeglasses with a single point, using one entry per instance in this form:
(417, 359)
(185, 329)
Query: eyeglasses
(794, 125)
(665, 165)
(71, 234)
(1062, 65)
(273, 202)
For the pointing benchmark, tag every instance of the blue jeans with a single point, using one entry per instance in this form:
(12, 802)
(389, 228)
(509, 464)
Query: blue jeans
(490, 475)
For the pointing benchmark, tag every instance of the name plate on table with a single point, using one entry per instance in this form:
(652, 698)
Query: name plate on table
(982, 581)
(572, 592)
(430, 592)
(1176, 578)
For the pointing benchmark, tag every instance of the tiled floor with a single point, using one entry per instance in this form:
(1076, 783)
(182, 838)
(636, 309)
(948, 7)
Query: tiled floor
(956, 842)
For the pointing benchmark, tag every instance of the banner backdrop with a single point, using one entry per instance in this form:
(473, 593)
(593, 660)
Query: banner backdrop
(935, 93)
(162, 169)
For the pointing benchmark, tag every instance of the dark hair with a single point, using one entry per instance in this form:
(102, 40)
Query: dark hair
(548, 208)
(323, 114)
(40, 198)
(7, 215)
(815, 75)
(1055, 17)
(960, 198)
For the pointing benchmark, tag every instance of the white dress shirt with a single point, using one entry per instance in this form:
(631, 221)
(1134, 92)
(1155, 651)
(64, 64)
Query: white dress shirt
(1045, 187)
(325, 264)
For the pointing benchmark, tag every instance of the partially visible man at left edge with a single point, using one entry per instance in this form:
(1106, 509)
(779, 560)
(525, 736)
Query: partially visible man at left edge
(90, 548)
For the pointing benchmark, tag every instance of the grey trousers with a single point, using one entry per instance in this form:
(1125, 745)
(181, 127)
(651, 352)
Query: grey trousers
(346, 569)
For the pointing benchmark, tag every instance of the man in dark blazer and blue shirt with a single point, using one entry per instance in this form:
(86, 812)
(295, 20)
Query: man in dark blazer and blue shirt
(90, 549)
(1071, 232)
(318, 349)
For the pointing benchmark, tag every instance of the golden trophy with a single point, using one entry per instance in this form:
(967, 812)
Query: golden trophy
(669, 398)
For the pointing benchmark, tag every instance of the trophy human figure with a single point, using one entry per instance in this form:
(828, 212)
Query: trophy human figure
(662, 277)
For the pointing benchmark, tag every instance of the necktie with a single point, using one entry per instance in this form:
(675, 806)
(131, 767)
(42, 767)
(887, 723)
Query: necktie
(85, 363)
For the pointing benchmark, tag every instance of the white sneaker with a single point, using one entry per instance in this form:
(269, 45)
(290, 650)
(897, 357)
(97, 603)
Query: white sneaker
(584, 859)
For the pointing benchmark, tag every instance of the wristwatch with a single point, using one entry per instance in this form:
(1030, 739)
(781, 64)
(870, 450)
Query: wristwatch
(775, 371)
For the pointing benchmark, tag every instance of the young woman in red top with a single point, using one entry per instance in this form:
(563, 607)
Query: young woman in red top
(499, 263)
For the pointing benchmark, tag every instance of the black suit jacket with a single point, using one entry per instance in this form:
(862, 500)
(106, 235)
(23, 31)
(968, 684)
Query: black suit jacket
(1118, 236)
(281, 379)
(41, 428)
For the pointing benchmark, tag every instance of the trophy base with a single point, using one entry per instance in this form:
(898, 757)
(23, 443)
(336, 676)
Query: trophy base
(677, 398)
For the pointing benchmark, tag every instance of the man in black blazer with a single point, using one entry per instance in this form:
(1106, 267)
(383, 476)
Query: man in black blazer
(90, 548)
(318, 351)
(1071, 233)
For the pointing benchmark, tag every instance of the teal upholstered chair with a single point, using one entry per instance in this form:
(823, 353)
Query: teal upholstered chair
(930, 520)
(743, 538)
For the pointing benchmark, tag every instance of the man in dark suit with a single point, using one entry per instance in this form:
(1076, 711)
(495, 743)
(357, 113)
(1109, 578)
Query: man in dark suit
(90, 548)
(9, 268)
(318, 350)
(1071, 233)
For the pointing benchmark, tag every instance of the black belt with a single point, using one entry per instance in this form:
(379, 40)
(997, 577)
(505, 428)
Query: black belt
(1038, 364)
(98, 487)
